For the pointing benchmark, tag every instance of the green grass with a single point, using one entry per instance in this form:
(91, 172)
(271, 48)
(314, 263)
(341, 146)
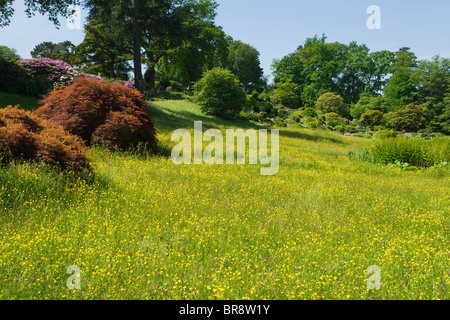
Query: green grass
(148, 229)
(27, 103)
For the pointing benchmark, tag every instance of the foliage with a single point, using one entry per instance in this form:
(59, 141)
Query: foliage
(445, 117)
(349, 70)
(287, 94)
(219, 93)
(13, 79)
(372, 118)
(296, 116)
(382, 134)
(96, 110)
(414, 152)
(54, 9)
(330, 102)
(56, 71)
(309, 112)
(64, 51)
(23, 136)
(243, 61)
(333, 119)
(8, 54)
(400, 88)
(432, 80)
(105, 49)
(411, 118)
(207, 47)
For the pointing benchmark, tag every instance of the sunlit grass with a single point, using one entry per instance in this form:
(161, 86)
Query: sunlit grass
(148, 229)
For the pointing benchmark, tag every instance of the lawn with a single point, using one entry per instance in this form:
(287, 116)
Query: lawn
(145, 228)
(27, 103)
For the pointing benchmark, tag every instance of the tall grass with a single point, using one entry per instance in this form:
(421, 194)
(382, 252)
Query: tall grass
(415, 152)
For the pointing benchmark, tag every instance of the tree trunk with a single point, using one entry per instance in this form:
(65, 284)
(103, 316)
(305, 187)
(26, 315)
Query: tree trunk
(112, 72)
(152, 77)
(138, 79)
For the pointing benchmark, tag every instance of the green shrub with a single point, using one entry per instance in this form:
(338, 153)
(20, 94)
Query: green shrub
(330, 102)
(412, 152)
(351, 129)
(382, 134)
(312, 123)
(13, 79)
(309, 112)
(372, 118)
(410, 118)
(333, 119)
(280, 123)
(296, 116)
(219, 93)
(339, 128)
(287, 94)
(176, 86)
(266, 107)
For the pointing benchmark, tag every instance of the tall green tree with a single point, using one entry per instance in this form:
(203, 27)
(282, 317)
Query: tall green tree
(65, 51)
(106, 48)
(8, 54)
(444, 118)
(206, 47)
(167, 25)
(400, 89)
(243, 61)
(323, 63)
(351, 82)
(432, 82)
(377, 71)
(290, 67)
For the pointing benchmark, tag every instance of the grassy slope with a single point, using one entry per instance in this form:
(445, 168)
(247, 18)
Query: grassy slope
(147, 229)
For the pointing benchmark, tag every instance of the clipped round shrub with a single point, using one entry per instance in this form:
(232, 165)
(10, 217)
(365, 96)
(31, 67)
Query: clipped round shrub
(24, 136)
(330, 102)
(219, 93)
(372, 118)
(96, 110)
(309, 112)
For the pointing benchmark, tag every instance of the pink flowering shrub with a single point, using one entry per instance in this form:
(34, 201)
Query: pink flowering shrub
(59, 73)
(129, 83)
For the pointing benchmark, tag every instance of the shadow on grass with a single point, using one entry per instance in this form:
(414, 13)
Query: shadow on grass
(310, 137)
(26, 103)
(167, 121)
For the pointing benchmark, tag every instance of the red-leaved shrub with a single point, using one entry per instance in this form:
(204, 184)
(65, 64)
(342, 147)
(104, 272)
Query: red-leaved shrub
(24, 136)
(96, 110)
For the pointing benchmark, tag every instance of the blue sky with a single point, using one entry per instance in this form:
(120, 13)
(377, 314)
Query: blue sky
(278, 27)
